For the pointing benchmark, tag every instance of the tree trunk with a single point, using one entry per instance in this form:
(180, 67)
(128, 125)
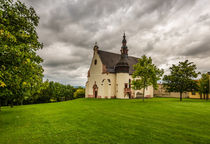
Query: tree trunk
(180, 96)
(6, 102)
(0, 104)
(21, 102)
(204, 96)
(144, 89)
(11, 105)
(200, 95)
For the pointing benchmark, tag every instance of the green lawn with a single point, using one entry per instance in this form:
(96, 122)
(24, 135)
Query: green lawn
(83, 121)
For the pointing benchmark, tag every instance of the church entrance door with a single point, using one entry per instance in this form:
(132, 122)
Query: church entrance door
(96, 93)
(95, 90)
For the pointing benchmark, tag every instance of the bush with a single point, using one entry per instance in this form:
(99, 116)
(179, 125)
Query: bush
(79, 93)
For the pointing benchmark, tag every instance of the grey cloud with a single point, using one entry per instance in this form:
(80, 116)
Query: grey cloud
(201, 49)
(203, 17)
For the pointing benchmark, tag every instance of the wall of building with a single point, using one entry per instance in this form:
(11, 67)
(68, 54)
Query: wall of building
(194, 95)
(121, 79)
(161, 92)
(104, 81)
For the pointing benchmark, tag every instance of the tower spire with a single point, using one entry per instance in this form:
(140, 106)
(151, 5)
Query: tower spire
(122, 65)
(95, 48)
(124, 48)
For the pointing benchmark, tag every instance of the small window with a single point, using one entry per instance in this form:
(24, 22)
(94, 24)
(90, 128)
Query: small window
(193, 93)
(126, 85)
(95, 62)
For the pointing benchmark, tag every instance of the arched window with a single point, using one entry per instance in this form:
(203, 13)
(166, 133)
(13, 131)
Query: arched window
(95, 62)
(139, 95)
(109, 81)
(102, 81)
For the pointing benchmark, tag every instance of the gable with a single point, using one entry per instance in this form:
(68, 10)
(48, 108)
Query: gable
(96, 66)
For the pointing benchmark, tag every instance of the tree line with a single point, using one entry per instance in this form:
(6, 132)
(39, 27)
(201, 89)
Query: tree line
(182, 77)
(48, 91)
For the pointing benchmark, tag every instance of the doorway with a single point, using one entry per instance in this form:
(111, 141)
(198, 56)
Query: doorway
(96, 94)
(95, 90)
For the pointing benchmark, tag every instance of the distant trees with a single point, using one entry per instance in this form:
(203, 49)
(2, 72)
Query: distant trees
(56, 92)
(203, 86)
(79, 93)
(20, 68)
(145, 74)
(49, 91)
(181, 78)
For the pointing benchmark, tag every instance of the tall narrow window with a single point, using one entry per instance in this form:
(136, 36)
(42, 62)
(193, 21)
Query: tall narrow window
(126, 85)
(95, 62)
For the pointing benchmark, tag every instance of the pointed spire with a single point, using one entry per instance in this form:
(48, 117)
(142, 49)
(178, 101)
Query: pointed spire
(95, 48)
(124, 40)
(124, 48)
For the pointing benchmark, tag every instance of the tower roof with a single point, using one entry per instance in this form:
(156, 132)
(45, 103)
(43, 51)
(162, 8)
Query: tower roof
(122, 66)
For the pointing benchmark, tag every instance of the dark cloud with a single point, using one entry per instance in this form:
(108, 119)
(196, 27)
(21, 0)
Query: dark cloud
(166, 30)
(199, 49)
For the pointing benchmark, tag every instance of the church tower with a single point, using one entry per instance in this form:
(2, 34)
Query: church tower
(122, 71)
(122, 66)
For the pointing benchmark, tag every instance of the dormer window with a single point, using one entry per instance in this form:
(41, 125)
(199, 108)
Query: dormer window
(95, 62)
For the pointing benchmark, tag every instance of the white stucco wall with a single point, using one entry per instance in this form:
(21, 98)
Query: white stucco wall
(104, 81)
(121, 79)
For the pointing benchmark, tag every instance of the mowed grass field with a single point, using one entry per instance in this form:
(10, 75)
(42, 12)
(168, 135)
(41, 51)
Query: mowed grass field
(109, 121)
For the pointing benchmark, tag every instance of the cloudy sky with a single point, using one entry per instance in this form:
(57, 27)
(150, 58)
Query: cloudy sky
(167, 30)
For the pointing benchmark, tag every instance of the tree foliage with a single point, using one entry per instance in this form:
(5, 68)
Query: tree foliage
(145, 74)
(55, 92)
(20, 67)
(181, 78)
(203, 86)
(79, 93)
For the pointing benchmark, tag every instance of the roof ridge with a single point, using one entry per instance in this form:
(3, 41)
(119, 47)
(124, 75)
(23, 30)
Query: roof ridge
(108, 52)
(117, 54)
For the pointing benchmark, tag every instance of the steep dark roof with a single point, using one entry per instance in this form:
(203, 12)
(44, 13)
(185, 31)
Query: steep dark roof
(110, 60)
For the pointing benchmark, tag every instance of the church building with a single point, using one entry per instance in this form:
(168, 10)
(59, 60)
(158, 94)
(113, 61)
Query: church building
(110, 75)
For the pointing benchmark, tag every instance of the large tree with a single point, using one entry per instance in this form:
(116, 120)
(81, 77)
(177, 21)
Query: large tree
(20, 67)
(145, 74)
(181, 78)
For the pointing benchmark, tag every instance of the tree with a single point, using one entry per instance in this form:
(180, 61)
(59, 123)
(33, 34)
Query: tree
(145, 74)
(20, 66)
(204, 85)
(69, 92)
(181, 78)
(79, 93)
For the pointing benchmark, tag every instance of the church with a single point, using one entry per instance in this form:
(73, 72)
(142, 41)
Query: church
(110, 75)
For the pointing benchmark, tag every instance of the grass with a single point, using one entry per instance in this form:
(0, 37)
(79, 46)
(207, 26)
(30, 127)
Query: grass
(109, 121)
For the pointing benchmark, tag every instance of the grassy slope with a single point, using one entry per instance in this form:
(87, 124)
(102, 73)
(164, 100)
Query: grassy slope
(157, 120)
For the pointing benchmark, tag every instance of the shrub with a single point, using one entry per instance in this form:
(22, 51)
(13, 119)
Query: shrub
(79, 93)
